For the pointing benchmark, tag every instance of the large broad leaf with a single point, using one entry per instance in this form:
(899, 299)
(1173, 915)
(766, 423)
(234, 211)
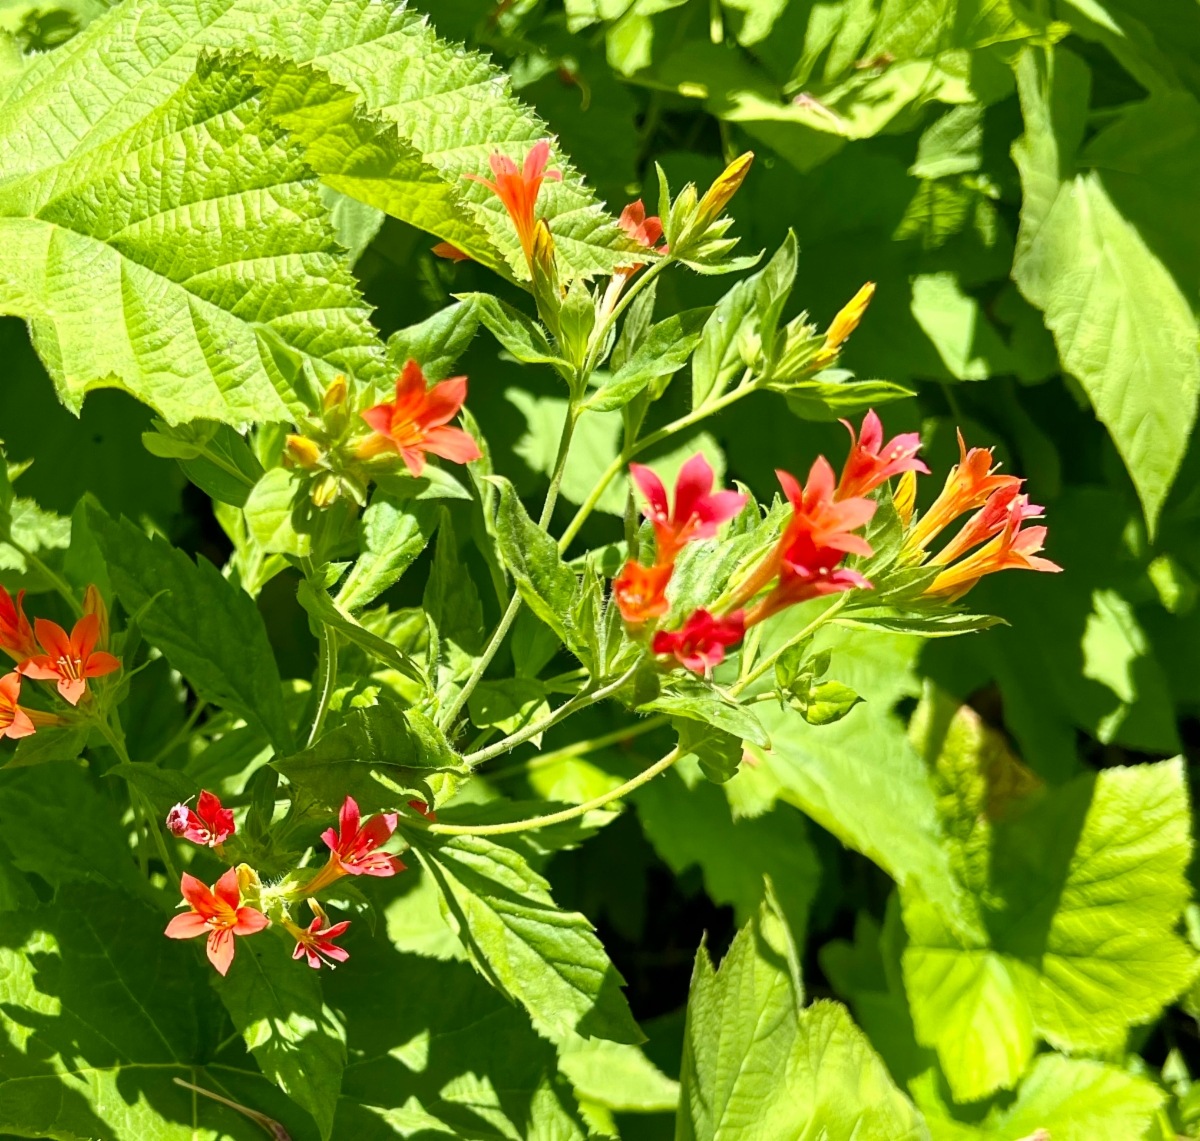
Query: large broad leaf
(436, 1052)
(208, 629)
(392, 533)
(1123, 326)
(1068, 1100)
(298, 1041)
(208, 297)
(547, 959)
(100, 1013)
(756, 1064)
(1079, 913)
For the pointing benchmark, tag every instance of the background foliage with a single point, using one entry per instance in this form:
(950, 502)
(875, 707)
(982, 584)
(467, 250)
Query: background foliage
(980, 921)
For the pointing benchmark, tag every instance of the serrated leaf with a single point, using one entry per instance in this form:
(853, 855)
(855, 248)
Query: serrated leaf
(271, 511)
(392, 533)
(437, 342)
(209, 629)
(699, 702)
(322, 608)
(50, 744)
(277, 1006)
(664, 351)
(547, 959)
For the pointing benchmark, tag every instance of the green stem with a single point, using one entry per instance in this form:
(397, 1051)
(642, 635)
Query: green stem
(771, 659)
(599, 336)
(56, 580)
(567, 814)
(614, 469)
(581, 748)
(185, 731)
(326, 679)
(581, 701)
(451, 712)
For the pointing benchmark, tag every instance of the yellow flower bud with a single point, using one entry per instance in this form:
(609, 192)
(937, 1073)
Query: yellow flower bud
(905, 498)
(848, 318)
(335, 394)
(303, 451)
(325, 489)
(717, 197)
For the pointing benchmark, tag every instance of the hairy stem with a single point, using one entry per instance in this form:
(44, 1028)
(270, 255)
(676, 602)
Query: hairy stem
(326, 680)
(567, 814)
(581, 748)
(772, 658)
(451, 712)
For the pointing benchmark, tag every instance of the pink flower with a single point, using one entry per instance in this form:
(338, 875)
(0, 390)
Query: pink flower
(217, 913)
(871, 462)
(415, 422)
(317, 943)
(210, 824)
(702, 640)
(699, 511)
(353, 849)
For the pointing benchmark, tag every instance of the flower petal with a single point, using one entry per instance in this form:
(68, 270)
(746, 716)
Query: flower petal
(250, 921)
(71, 689)
(186, 926)
(84, 636)
(197, 894)
(227, 890)
(100, 663)
(452, 444)
(652, 488)
(53, 638)
(221, 949)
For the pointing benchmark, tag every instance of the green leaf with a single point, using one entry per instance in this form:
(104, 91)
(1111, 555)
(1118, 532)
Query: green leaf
(756, 1064)
(521, 335)
(220, 462)
(377, 755)
(774, 287)
(509, 703)
(298, 1041)
(1068, 1099)
(437, 342)
(836, 395)
(696, 701)
(547, 959)
(163, 788)
(718, 753)
(1122, 325)
(322, 608)
(1086, 889)
(102, 1013)
(616, 1076)
(51, 744)
(273, 510)
(543, 580)
(209, 629)
(664, 351)
(720, 355)
(965, 339)
(392, 533)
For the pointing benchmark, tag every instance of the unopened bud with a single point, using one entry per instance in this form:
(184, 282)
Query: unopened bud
(905, 498)
(248, 883)
(177, 820)
(93, 603)
(717, 197)
(303, 451)
(325, 489)
(848, 318)
(547, 293)
(335, 394)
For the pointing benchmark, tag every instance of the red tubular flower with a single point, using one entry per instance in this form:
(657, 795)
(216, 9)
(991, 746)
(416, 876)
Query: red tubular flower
(699, 511)
(317, 943)
(702, 640)
(1012, 549)
(14, 721)
(641, 592)
(518, 188)
(449, 252)
(968, 485)
(424, 809)
(645, 231)
(16, 635)
(210, 824)
(217, 913)
(806, 571)
(415, 422)
(70, 661)
(352, 849)
(871, 462)
(989, 520)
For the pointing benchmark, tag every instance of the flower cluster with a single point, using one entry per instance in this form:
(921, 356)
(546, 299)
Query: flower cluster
(220, 912)
(828, 514)
(46, 652)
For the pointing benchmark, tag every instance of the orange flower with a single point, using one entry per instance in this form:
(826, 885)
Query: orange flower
(14, 721)
(449, 252)
(70, 661)
(518, 188)
(16, 635)
(1012, 549)
(415, 422)
(871, 462)
(217, 913)
(699, 511)
(641, 592)
(970, 482)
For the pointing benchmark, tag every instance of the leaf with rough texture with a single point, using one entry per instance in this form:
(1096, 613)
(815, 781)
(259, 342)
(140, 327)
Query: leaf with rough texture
(277, 1006)
(547, 959)
(664, 351)
(100, 1013)
(392, 533)
(756, 1064)
(208, 629)
(1123, 326)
